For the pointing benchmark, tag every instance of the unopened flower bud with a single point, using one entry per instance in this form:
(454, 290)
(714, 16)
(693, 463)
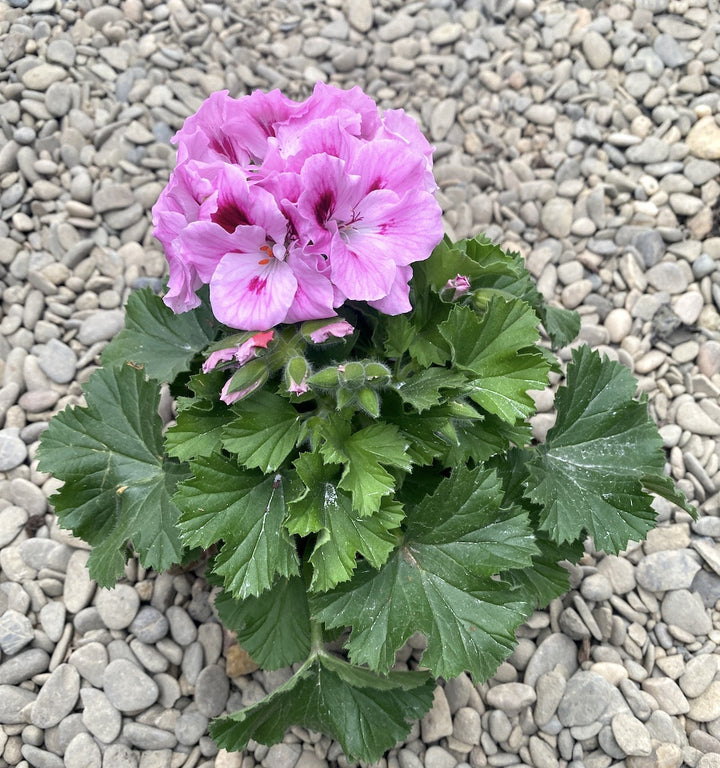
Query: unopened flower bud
(455, 288)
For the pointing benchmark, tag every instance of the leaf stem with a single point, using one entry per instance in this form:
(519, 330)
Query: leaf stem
(317, 643)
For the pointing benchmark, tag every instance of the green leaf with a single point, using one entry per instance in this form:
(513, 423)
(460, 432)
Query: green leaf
(546, 578)
(343, 533)
(367, 714)
(400, 333)
(363, 453)
(562, 325)
(198, 429)
(156, 338)
(273, 628)
(440, 582)
(264, 432)
(245, 510)
(422, 390)
(497, 349)
(117, 486)
(589, 475)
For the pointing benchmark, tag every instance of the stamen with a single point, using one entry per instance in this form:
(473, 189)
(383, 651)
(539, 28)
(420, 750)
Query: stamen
(263, 262)
(267, 249)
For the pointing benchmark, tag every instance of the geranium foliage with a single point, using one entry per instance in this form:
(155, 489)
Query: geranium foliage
(399, 491)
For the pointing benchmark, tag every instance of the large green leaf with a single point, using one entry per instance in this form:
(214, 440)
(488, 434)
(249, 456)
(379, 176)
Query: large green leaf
(245, 510)
(264, 432)
(273, 628)
(363, 454)
(588, 477)
(342, 533)
(366, 713)
(117, 488)
(156, 338)
(496, 349)
(440, 582)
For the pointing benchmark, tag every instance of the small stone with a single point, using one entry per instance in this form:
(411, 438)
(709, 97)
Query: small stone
(360, 14)
(596, 50)
(82, 752)
(148, 737)
(41, 758)
(79, 587)
(127, 687)
(556, 649)
(651, 247)
(16, 631)
(549, 688)
(57, 361)
(668, 570)
(40, 77)
(699, 673)
(212, 689)
(400, 25)
(190, 727)
(596, 587)
(466, 725)
(61, 52)
(542, 754)
(631, 735)
(685, 609)
(57, 697)
(182, 627)
(556, 217)
(437, 723)
(706, 707)
(437, 757)
(692, 417)
(90, 661)
(586, 698)
(700, 171)
(52, 619)
(667, 694)
(511, 698)
(117, 606)
(23, 666)
(442, 119)
(446, 34)
(703, 139)
(99, 715)
(618, 324)
(101, 326)
(667, 276)
(688, 307)
(12, 701)
(121, 756)
(671, 53)
(12, 521)
(13, 450)
(149, 625)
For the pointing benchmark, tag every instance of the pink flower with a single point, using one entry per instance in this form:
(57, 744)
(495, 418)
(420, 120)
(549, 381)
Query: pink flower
(286, 209)
(366, 232)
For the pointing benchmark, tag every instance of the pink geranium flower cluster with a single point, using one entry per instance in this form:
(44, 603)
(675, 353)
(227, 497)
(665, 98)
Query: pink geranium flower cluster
(288, 209)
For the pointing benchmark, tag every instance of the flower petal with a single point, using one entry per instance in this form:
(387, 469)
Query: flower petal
(251, 294)
(203, 244)
(397, 300)
(315, 296)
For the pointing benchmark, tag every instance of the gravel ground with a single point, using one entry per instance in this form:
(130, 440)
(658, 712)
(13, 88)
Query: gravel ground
(584, 135)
